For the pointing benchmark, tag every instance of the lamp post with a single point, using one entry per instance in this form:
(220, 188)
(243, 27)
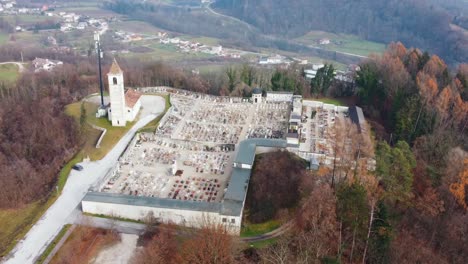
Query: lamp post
(99, 55)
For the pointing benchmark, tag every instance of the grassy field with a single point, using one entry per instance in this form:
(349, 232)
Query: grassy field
(163, 52)
(28, 19)
(113, 135)
(8, 73)
(342, 43)
(263, 243)
(136, 27)
(249, 230)
(29, 39)
(202, 40)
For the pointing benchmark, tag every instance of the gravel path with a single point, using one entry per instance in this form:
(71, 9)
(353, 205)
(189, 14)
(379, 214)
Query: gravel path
(121, 253)
(19, 64)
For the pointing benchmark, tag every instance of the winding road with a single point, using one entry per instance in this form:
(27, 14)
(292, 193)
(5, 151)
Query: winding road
(19, 64)
(63, 211)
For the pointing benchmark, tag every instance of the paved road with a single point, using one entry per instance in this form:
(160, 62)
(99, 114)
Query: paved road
(228, 17)
(62, 211)
(19, 64)
(59, 244)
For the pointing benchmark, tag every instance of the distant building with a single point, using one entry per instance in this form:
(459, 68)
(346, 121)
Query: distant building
(279, 96)
(45, 64)
(324, 41)
(310, 73)
(277, 59)
(82, 25)
(217, 50)
(123, 106)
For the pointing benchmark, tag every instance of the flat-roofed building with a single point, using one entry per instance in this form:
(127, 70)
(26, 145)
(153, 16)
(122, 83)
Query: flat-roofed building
(272, 96)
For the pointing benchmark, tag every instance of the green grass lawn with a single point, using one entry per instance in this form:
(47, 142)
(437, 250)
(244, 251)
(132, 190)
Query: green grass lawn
(263, 243)
(8, 73)
(136, 27)
(202, 40)
(333, 101)
(113, 135)
(249, 230)
(343, 43)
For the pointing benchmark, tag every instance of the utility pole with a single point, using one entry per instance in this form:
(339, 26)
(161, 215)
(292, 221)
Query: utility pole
(99, 55)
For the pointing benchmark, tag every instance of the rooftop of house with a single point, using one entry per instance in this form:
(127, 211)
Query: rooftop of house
(257, 91)
(132, 97)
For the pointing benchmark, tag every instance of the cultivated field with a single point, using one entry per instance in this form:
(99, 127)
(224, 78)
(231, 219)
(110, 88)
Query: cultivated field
(342, 42)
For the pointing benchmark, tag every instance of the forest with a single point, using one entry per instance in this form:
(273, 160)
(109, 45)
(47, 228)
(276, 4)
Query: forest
(417, 110)
(416, 23)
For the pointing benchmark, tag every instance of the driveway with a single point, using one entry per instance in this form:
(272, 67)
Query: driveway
(150, 104)
(19, 64)
(62, 211)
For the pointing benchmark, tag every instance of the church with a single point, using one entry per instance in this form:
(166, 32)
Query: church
(123, 106)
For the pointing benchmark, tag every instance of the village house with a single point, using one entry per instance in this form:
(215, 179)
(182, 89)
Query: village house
(45, 64)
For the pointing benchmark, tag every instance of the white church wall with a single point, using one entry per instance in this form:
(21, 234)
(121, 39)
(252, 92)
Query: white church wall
(133, 112)
(117, 99)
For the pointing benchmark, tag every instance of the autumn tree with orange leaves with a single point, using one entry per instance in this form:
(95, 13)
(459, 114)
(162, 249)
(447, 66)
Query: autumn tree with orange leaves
(459, 189)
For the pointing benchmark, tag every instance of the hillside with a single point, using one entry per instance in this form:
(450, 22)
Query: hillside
(416, 23)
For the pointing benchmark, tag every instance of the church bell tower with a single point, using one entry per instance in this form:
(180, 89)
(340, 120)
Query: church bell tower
(117, 114)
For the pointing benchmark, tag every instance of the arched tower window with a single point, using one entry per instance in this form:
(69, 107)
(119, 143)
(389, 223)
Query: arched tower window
(114, 80)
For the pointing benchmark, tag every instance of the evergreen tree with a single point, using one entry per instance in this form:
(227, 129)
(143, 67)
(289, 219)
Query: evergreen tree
(381, 237)
(394, 168)
(353, 212)
(322, 80)
(82, 116)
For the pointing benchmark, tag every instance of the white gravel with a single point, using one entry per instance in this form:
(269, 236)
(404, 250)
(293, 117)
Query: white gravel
(120, 253)
(61, 212)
